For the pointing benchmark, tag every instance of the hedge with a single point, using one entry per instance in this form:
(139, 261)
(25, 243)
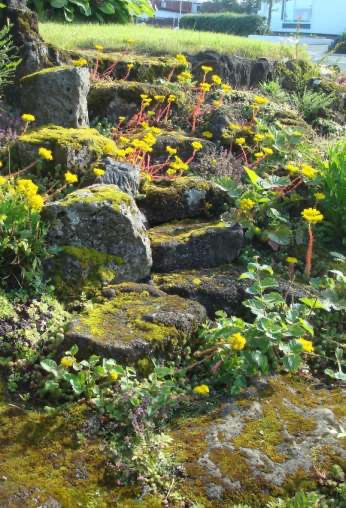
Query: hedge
(225, 22)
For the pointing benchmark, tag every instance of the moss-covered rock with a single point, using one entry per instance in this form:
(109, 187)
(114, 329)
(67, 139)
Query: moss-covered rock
(137, 322)
(100, 237)
(164, 200)
(183, 144)
(111, 99)
(268, 443)
(77, 150)
(194, 244)
(57, 95)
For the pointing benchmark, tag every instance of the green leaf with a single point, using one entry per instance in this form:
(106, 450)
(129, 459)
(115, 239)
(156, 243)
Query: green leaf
(58, 4)
(49, 366)
(253, 176)
(107, 8)
(313, 303)
(280, 235)
(292, 362)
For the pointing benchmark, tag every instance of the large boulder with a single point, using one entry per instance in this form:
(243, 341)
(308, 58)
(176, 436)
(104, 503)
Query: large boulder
(164, 200)
(101, 238)
(76, 150)
(194, 244)
(138, 322)
(269, 443)
(57, 96)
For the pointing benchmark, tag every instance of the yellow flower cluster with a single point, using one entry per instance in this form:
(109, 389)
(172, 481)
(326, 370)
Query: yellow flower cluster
(146, 100)
(291, 260)
(81, 62)
(207, 134)
(197, 145)
(261, 101)
(70, 178)
(45, 154)
(170, 150)
(113, 375)
(28, 118)
(237, 341)
(240, 141)
(206, 69)
(98, 47)
(27, 188)
(181, 59)
(304, 169)
(67, 361)
(319, 196)
(201, 390)
(312, 215)
(184, 77)
(246, 204)
(177, 166)
(99, 172)
(205, 87)
(307, 345)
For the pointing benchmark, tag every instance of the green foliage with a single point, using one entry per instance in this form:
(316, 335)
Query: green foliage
(341, 44)
(228, 23)
(312, 104)
(334, 187)
(273, 89)
(8, 60)
(112, 10)
(22, 247)
(271, 341)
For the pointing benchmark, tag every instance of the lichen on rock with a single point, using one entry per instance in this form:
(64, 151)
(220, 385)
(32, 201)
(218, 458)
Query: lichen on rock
(138, 321)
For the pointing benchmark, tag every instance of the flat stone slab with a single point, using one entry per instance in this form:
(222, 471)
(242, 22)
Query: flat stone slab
(137, 322)
(194, 244)
(270, 442)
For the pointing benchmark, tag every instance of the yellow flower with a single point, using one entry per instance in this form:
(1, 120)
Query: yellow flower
(184, 76)
(268, 151)
(181, 59)
(36, 202)
(297, 133)
(260, 101)
(234, 126)
(131, 41)
(3, 180)
(216, 79)
(237, 341)
(81, 62)
(67, 361)
(319, 196)
(207, 134)
(312, 215)
(159, 98)
(99, 47)
(171, 150)
(179, 165)
(306, 344)
(122, 119)
(99, 171)
(45, 153)
(240, 141)
(201, 390)
(130, 66)
(109, 148)
(206, 69)
(246, 204)
(171, 98)
(226, 88)
(196, 145)
(26, 117)
(292, 168)
(308, 170)
(258, 155)
(124, 139)
(113, 375)
(171, 172)
(26, 186)
(217, 103)
(205, 87)
(291, 260)
(70, 177)
(258, 137)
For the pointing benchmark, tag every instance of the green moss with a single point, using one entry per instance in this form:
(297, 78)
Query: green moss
(70, 139)
(181, 231)
(48, 70)
(99, 194)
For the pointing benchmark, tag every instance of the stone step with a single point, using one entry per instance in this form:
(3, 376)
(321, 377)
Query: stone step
(194, 244)
(136, 322)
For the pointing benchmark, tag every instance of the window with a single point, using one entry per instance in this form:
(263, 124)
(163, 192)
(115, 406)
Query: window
(297, 11)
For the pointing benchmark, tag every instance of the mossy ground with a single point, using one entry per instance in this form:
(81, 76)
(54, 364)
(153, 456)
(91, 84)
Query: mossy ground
(182, 231)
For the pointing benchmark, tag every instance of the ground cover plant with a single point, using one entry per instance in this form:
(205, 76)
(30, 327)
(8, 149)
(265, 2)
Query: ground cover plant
(166, 420)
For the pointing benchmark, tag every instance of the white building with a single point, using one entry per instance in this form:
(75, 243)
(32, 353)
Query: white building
(325, 17)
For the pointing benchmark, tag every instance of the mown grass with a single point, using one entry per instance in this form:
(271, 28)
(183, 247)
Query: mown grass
(157, 41)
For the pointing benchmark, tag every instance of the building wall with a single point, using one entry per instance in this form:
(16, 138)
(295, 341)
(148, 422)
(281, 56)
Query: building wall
(328, 17)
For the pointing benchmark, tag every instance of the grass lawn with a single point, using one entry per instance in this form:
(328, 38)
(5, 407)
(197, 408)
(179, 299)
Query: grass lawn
(157, 41)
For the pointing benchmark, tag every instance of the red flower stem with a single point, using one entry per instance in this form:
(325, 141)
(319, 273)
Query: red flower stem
(309, 252)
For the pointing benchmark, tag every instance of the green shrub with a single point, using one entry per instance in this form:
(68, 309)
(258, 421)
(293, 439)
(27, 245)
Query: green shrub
(112, 10)
(334, 187)
(341, 44)
(312, 104)
(226, 22)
